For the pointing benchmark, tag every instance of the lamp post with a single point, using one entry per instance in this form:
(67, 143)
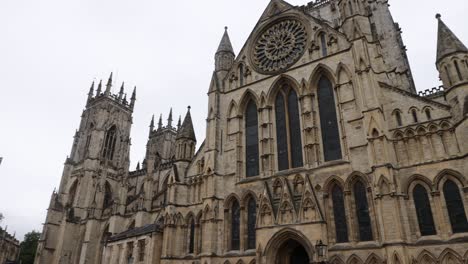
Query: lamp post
(321, 250)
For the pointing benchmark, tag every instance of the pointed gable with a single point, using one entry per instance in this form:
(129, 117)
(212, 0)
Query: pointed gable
(447, 42)
(275, 7)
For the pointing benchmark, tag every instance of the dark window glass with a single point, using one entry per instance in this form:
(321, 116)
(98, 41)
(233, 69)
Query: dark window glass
(362, 212)
(458, 71)
(109, 143)
(448, 75)
(351, 11)
(294, 130)
(235, 226)
(192, 236)
(423, 211)
(428, 114)
(323, 43)
(251, 220)
(281, 134)
(241, 74)
(398, 118)
(455, 207)
(328, 121)
(107, 196)
(339, 213)
(415, 116)
(251, 140)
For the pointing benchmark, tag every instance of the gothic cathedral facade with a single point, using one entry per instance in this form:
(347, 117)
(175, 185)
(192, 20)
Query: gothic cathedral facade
(318, 149)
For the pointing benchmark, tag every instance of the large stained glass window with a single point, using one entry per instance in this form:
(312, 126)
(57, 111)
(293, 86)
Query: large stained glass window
(251, 140)
(339, 212)
(423, 211)
(362, 212)
(328, 121)
(455, 207)
(288, 129)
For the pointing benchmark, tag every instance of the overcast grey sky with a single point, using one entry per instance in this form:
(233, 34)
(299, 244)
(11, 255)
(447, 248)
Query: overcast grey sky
(51, 51)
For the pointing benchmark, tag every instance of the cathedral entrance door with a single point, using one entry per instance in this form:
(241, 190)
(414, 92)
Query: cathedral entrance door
(292, 252)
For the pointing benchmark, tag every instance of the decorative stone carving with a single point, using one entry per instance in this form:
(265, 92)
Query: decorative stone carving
(279, 46)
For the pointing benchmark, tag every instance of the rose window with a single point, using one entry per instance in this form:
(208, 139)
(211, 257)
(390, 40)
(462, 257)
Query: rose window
(280, 46)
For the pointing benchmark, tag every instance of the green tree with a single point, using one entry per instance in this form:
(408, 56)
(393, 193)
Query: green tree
(29, 246)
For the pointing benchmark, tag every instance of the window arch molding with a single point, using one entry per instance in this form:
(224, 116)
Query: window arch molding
(455, 176)
(278, 84)
(415, 179)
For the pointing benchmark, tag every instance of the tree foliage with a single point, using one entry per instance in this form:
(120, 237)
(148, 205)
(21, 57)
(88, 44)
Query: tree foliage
(29, 246)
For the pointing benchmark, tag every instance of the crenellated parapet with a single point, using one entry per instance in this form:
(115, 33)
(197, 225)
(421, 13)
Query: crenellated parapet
(433, 92)
(120, 98)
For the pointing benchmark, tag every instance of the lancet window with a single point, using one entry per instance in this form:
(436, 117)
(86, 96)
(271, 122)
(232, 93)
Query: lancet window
(109, 143)
(362, 212)
(455, 207)
(423, 211)
(341, 228)
(251, 140)
(328, 121)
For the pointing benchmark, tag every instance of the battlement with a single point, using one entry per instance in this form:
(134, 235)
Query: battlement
(119, 98)
(316, 4)
(433, 92)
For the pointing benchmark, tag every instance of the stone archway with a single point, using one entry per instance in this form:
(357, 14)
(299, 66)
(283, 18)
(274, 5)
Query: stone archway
(289, 246)
(292, 252)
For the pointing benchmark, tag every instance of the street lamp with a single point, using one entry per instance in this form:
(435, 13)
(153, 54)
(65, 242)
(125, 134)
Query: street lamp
(321, 249)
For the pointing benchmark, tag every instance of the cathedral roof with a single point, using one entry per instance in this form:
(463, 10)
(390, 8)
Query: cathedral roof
(186, 130)
(447, 41)
(225, 44)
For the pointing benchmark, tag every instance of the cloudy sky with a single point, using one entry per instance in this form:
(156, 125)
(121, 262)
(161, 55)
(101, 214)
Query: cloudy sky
(51, 51)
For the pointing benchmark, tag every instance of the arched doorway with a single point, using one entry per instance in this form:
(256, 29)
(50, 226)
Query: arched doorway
(289, 246)
(292, 252)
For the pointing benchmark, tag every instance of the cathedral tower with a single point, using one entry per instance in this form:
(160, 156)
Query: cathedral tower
(99, 159)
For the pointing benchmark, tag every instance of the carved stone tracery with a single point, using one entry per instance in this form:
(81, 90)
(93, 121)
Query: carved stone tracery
(279, 46)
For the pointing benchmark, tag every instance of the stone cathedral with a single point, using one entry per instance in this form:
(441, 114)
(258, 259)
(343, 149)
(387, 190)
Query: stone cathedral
(318, 149)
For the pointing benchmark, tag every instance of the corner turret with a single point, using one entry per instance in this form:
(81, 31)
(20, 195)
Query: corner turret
(185, 139)
(224, 57)
(452, 65)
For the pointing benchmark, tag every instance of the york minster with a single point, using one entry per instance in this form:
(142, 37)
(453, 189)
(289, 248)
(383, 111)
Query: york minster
(318, 149)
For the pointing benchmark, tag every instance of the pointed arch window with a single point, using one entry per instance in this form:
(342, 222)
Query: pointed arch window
(448, 75)
(192, 236)
(328, 120)
(107, 196)
(362, 212)
(241, 74)
(288, 129)
(323, 44)
(455, 208)
(72, 193)
(423, 211)
(415, 116)
(339, 213)
(235, 226)
(251, 222)
(457, 68)
(251, 140)
(109, 143)
(398, 118)
(428, 114)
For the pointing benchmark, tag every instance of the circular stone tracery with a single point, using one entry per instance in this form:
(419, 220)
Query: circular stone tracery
(280, 46)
